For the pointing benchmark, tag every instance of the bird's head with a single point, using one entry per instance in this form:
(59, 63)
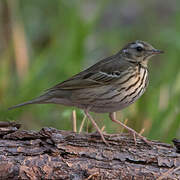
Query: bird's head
(139, 51)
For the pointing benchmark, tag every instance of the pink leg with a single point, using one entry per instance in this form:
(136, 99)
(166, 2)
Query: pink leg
(132, 131)
(96, 126)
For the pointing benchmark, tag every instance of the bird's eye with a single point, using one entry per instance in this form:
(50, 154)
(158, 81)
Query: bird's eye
(139, 48)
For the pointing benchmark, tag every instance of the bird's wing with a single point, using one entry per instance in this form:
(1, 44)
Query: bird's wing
(87, 81)
(102, 73)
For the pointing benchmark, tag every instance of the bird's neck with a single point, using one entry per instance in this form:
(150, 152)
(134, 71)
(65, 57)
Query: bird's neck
(131, 59)
(144, 63)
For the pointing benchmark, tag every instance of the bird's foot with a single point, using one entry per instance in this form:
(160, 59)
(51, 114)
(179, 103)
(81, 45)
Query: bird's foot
(102, 134)
(134, 133)
(130, 130)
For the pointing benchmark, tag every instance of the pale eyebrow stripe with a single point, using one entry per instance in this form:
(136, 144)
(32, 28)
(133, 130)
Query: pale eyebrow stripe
(136, 45)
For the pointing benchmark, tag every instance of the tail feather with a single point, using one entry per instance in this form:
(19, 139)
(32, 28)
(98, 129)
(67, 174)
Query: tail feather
(39, 100)
(22, 104)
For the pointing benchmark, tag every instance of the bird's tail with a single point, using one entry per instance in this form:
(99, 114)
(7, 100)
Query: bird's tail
(40, 100)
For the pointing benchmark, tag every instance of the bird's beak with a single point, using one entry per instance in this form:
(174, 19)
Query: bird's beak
(156, 51)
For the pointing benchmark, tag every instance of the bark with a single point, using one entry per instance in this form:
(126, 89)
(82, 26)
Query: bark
(55, 154)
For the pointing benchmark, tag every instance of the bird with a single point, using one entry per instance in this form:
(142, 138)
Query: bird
(108, 86)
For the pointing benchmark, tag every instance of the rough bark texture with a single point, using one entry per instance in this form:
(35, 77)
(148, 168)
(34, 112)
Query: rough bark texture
(54, 154)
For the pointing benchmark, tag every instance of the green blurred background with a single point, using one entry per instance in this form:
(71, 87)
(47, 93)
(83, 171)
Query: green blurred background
(44, 42)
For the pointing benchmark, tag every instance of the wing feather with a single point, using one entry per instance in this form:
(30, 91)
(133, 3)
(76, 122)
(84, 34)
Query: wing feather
(93, 80)
(104, 72)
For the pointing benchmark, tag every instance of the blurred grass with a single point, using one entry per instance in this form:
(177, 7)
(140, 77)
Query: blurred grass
(45, 42)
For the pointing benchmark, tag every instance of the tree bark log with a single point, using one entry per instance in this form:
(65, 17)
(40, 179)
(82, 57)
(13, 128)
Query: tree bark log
(55, 154)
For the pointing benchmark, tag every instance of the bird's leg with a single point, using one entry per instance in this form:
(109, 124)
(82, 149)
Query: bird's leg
(132, 131)
(96, 126)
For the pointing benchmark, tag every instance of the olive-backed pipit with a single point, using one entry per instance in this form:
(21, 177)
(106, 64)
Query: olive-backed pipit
(106, 87)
